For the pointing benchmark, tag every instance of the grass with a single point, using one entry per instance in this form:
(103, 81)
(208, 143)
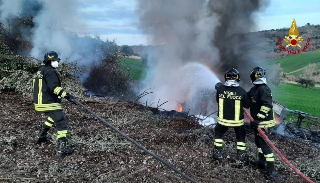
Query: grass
(137, 68)
(316, 67)
(296, 97)
(298, 61)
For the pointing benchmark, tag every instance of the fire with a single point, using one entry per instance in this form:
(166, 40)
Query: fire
(179, 107)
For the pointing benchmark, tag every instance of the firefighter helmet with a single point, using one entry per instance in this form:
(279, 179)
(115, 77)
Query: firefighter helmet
(51, 56)
(232, 74)
(257, 72)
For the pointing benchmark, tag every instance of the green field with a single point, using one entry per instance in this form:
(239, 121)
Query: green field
(316, 67)
(298, 61)
(136, 66)
(296, 97)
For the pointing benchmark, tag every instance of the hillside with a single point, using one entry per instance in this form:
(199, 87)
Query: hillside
(101, 155)
(264, 44)
(297, 97)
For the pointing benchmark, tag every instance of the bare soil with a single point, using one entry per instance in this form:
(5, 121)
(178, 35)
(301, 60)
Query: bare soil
(102, 155)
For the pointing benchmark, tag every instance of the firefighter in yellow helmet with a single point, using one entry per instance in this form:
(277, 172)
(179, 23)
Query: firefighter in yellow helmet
(231, 99)
(47, 95)
(261, 110)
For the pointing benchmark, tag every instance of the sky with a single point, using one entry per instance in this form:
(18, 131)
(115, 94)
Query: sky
(117, 20)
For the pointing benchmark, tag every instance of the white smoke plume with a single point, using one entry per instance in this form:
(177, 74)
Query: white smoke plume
(198, 36)
(49, 35)
(57, 27)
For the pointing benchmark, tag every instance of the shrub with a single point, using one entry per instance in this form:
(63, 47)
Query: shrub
(306, 82)
(109, 79)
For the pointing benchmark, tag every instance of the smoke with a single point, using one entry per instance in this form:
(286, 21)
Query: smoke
(194, 32)
(235, 19)
(57, 26)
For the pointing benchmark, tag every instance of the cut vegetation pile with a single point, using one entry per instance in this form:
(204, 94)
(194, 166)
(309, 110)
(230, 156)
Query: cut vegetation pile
(101, 155)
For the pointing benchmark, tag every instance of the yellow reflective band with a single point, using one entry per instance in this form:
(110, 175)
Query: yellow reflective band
(269, 159)
(33, 84)
(218, 140)
(268, 155)
(48, 107)
(40, 92)
(265, 109)
(62, 133)
(267, 124)
(48, 124)
(50, 119)
(261, 116)
(260, 150)
(63, 94)
(57, 90)
(241, 148)
(241, 144)
(218, 145)
(237, 110)
(230, 123)
(221, 101)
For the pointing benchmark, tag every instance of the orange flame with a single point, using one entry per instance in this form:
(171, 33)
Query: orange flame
(179, 107)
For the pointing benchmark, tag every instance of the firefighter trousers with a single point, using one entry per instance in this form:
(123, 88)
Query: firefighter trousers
(263, 146)
(57, 118)
(240, 131)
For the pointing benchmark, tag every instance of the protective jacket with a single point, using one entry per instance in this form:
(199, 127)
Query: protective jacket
(261, 107)
(231, 101)
(47, 90)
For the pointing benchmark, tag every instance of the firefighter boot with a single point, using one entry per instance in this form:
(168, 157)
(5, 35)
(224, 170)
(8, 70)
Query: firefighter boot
(241, 158)
(217, 154)
(63, 150)
(42, 136)
(271, 172)
(261, 162)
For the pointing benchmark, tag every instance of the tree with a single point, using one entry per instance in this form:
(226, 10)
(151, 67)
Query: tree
(306, 82)
(127, 50)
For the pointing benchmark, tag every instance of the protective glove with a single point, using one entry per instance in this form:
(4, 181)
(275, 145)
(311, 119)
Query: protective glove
(218, 85)
(255, 124)
(70, 98)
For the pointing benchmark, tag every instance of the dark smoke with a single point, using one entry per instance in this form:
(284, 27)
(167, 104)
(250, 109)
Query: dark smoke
(235, 20)
(31, 8)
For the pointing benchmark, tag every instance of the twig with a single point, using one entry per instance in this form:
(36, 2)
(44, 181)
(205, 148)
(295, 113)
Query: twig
(163, 103)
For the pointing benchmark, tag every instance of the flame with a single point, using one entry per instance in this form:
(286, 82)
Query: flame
(179, 107)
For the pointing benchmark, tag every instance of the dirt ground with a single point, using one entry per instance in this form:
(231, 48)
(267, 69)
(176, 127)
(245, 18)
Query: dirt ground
(102, 155)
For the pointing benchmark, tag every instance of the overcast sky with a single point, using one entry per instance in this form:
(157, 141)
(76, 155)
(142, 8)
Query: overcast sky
(116, 19)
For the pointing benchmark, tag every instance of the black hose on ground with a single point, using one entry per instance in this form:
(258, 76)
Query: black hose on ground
(134, 142)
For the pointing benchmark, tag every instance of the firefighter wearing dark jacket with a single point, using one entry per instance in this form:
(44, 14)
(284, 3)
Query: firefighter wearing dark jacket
(231, 99)
(261, 110)
(47, 95)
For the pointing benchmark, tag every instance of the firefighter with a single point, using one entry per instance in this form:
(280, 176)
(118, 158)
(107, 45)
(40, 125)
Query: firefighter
(47, 95)
(261, 109)
(231, 99)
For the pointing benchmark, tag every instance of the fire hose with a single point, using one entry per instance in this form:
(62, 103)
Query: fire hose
(137, 144)
(278, 152)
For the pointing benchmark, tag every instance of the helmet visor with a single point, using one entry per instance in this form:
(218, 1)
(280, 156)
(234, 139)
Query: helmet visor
(232, 76)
